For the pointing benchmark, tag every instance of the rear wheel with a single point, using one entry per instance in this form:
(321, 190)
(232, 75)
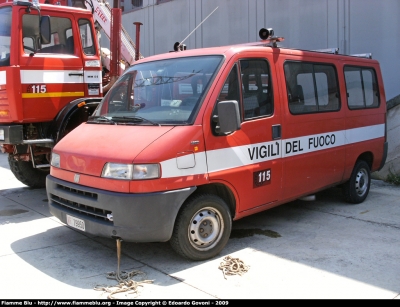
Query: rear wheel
(27, 174)
(357, 188)
(202, 228)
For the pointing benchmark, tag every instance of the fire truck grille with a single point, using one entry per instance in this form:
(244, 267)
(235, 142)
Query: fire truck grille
(80, 208)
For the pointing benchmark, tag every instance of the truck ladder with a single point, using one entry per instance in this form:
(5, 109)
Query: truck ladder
(102, 14)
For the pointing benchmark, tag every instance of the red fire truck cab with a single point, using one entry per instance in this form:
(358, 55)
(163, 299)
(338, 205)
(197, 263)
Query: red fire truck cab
(187, 142)
(50, 81)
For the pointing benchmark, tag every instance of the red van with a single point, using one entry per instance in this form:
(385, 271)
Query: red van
(187, 142)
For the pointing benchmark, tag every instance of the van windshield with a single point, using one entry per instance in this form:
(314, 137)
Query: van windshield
(166, 92)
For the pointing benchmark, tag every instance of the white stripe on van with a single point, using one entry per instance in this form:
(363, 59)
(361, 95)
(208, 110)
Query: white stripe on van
(232, 157)
(170, 168)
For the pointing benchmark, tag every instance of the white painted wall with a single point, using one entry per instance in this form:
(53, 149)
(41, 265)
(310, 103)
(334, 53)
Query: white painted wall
(392, 164)
(354, 26)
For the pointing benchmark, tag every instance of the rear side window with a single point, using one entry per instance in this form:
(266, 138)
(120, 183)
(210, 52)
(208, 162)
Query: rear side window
(362, 87)
(311, 87)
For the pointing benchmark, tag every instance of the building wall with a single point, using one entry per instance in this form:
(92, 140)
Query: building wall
(353, 26)
(392, 165)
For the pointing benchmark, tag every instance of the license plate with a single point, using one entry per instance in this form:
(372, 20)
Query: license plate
(75, 222)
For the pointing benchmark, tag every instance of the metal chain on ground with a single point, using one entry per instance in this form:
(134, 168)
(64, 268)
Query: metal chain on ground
(125, 279)
(233, 266)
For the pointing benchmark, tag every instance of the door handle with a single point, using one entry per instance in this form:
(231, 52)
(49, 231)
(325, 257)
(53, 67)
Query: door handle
(276, 132)
(75, 74)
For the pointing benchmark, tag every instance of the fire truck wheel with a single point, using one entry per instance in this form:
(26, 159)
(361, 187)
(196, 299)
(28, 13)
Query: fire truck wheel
(24, 172)
(202, 228)
(356, 189)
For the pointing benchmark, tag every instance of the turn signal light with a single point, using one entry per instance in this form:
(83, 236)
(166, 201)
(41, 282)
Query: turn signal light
(4, 113)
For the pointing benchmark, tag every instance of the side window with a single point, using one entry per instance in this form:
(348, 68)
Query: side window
(58, 42)
(70, 41)
(362, 88)
(61, 40)
(311, 87)
(30, 33)
(5, 35)
(230, 91)
(87, 37)
(29, 44)
(256, 88)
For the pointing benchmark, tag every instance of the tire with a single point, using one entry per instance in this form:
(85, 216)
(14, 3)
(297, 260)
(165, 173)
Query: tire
(24, 172)
(202, 228)
(356, 190)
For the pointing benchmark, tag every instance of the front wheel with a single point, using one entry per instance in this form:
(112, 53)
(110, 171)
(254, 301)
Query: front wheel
(202, 228)
(357, 188)
(27, 174)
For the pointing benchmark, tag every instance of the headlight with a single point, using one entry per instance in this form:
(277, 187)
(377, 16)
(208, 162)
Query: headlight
(146, 171)
(55, 160)
(117, 171)
(1, 134)
(130, 171)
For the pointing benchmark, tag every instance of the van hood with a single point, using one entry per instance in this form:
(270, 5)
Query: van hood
(88, 147)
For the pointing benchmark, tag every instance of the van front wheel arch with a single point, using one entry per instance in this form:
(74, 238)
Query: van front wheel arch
(356, 189)
(202, 227)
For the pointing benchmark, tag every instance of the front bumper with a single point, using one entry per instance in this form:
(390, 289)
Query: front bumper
(147, 217)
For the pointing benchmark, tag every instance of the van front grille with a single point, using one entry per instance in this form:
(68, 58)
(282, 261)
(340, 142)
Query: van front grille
(80, 208)
(78, 192)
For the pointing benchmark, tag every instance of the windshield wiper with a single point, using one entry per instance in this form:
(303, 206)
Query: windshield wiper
(101, 119)
(134, 119)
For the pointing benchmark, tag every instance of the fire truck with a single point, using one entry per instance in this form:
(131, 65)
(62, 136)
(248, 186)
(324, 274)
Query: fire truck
(53, 74)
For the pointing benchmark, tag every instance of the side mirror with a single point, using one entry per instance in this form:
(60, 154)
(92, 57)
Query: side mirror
(45, 30)
(228, 119)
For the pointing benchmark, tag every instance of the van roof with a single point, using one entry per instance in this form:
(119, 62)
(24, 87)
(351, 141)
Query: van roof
(261, 46)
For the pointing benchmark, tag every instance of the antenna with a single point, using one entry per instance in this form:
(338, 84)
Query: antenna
(177, 46)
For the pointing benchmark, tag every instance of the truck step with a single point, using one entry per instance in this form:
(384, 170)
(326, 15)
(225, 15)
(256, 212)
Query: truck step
(37, 141)
(42, 166)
